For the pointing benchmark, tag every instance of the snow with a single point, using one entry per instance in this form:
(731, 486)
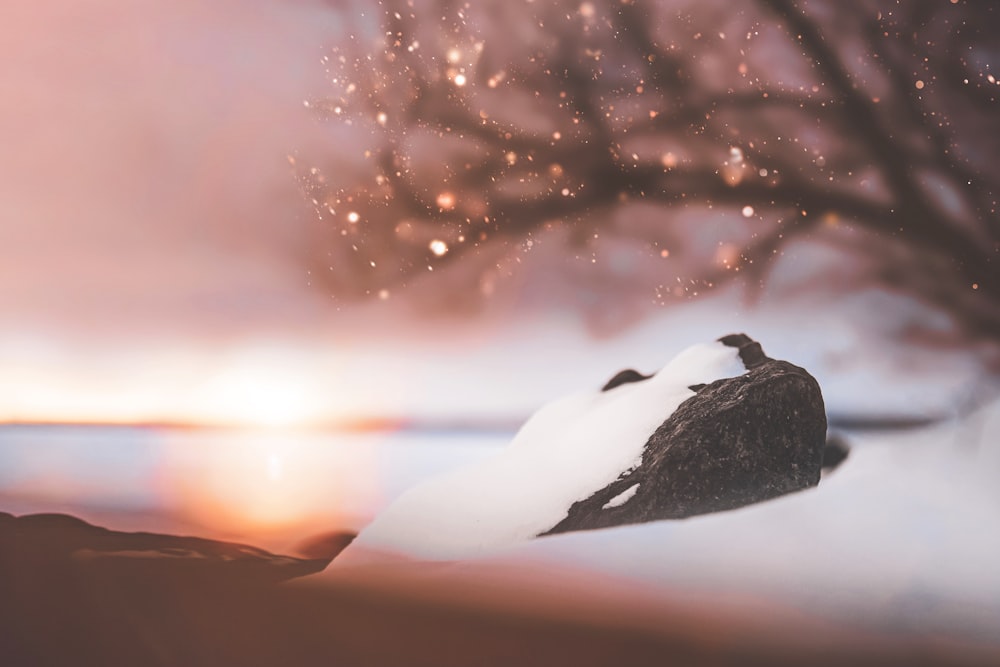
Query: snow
(621, 498)
(902, 536)
(563, 453)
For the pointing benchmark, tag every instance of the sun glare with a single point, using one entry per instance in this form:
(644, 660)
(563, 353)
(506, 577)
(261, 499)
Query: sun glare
(267, 480)
(249, 388)
(255, 397)
(267, 469)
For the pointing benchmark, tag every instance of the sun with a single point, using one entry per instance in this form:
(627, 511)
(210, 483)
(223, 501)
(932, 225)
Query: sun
(276, 385)
(258, 397)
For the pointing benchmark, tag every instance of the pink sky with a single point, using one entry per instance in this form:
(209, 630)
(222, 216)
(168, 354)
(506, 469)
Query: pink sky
(153, 236)
(144, 183)
(148, 214)
(152, 241)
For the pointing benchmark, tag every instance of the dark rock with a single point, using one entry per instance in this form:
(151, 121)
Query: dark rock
(325, 545)
(751, 353)
(76, 594)
(626, 376)
(58, 542)
(738, 441)
(835, 452)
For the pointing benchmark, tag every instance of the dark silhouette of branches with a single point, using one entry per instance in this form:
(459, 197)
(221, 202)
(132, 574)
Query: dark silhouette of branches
(479, 128)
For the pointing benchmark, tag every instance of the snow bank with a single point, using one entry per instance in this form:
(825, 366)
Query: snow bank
(566, 451)
(903, 536)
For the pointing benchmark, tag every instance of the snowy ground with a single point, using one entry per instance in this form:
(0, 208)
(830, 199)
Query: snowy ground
(902, 537)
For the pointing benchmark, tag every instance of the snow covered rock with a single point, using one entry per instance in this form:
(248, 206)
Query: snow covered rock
(719, 426)
(738, 441)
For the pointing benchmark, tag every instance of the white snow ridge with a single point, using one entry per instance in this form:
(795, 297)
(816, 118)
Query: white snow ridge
(567, 450)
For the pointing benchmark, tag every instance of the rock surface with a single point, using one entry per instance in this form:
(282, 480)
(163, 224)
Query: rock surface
(738, 441)
(50, 543)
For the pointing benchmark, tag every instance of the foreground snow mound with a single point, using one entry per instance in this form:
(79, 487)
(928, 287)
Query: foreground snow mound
(903, 536)
(563, 453)
(569, 450)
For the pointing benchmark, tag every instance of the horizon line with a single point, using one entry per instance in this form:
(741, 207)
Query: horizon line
(366, 424)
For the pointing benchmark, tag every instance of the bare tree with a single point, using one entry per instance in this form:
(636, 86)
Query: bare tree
(709, 134)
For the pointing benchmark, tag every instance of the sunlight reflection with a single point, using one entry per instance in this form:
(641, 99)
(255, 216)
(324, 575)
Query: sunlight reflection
(264, 486)
(269, 480)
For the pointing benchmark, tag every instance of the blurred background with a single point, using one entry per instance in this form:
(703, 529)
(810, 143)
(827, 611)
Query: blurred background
(435, 216)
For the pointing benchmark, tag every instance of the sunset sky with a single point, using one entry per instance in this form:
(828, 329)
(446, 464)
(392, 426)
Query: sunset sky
(151, 228)
(152, 237)
(149, 224)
